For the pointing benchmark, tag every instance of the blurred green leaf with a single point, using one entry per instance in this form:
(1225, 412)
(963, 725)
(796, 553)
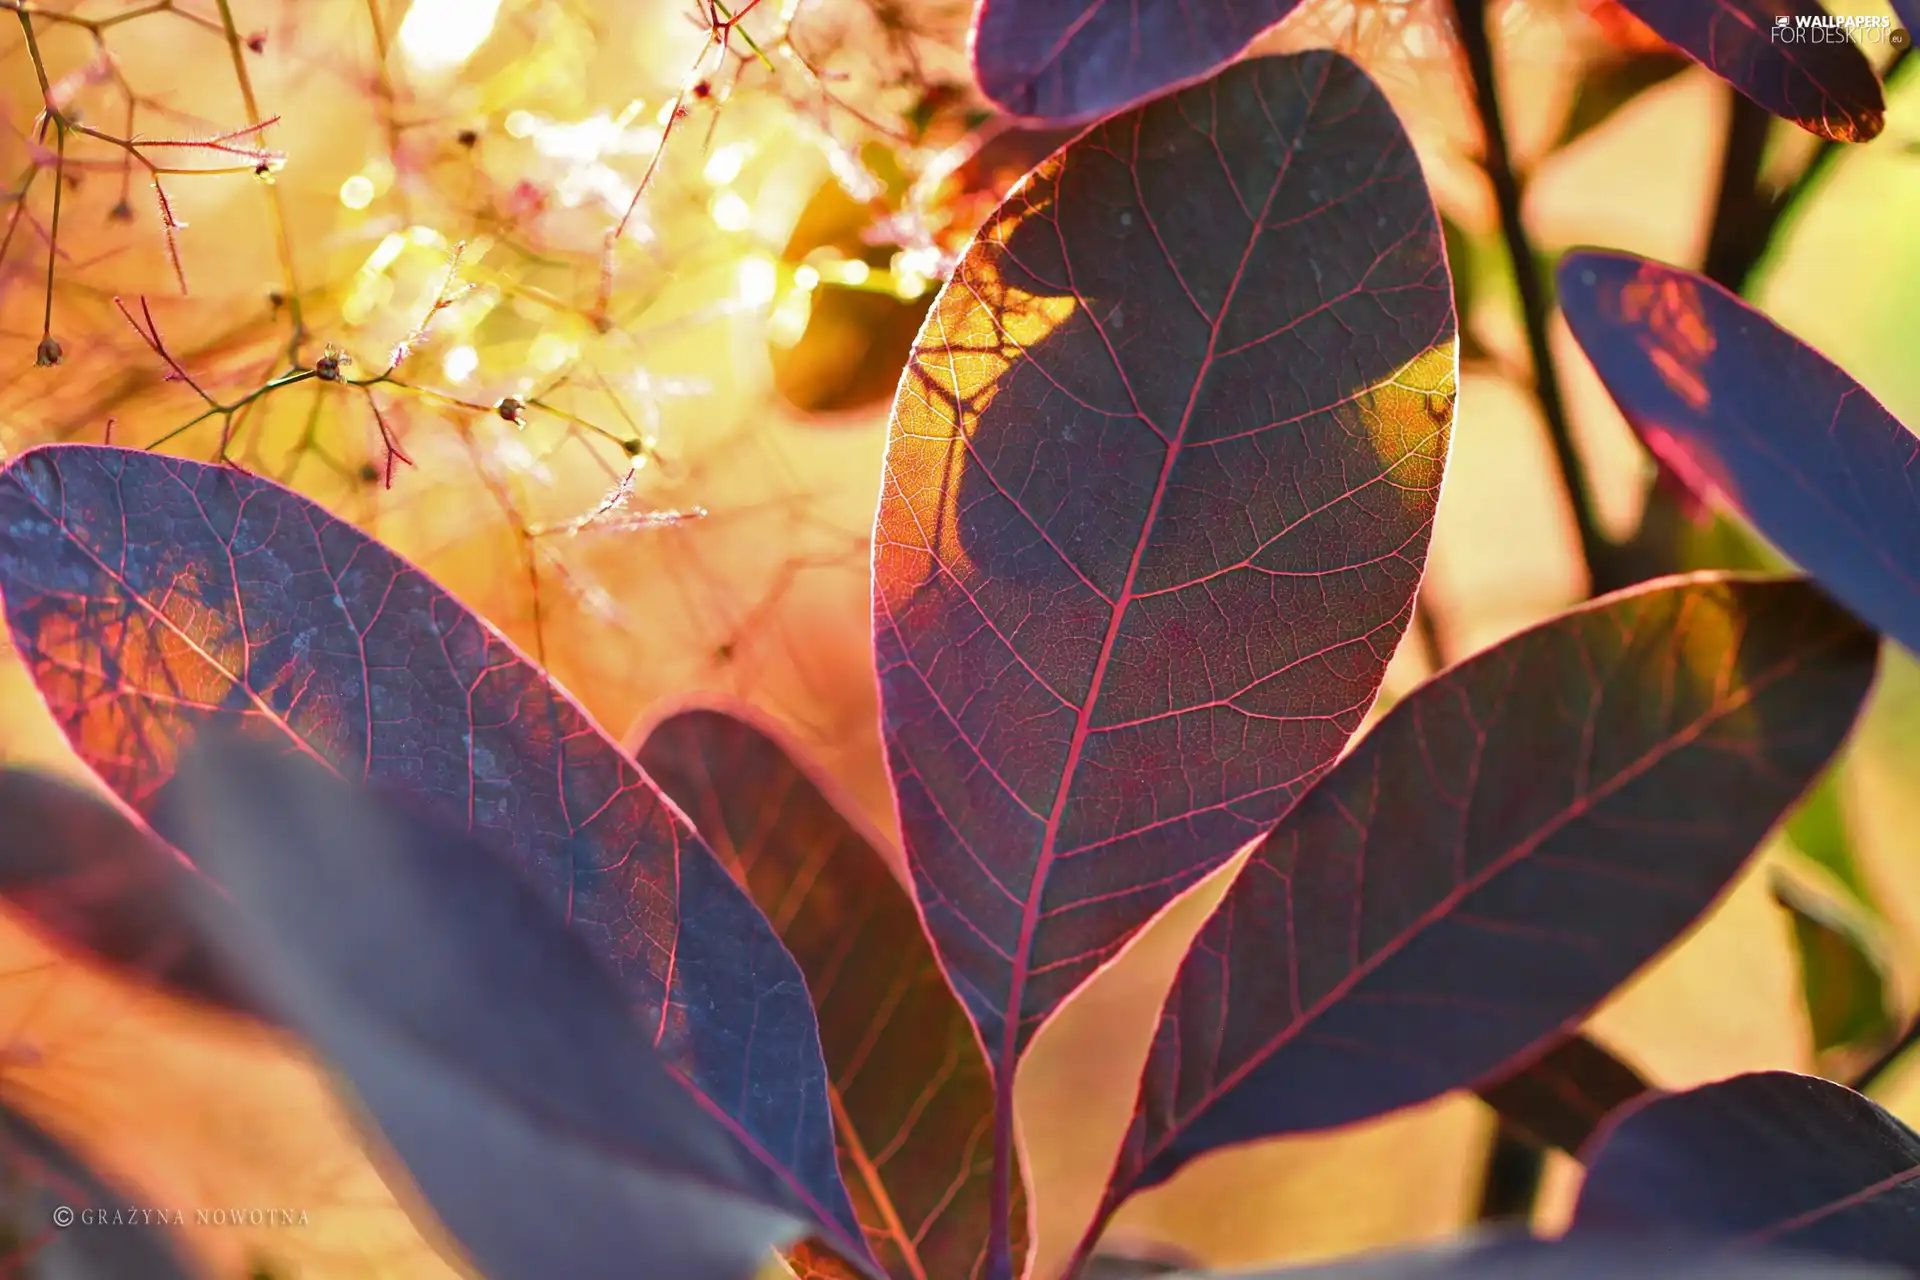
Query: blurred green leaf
(1818, 829)
(1841, 971)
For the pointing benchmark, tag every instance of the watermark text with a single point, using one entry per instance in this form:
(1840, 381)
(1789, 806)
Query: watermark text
(65, 1216)
(1827, 28)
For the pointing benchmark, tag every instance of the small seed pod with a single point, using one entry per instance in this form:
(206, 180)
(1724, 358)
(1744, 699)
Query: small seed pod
(121, 212)
(467, 137)
(632, 448)
(512, 410)
(327, 367)
(48, 352)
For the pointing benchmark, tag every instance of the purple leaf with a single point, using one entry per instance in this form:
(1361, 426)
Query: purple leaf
(1771, 1158)
(495, 1054)
(1908, 14)
(1508, 845)
(1158, 492)
(95, 884)
(42, 1183)
(1071, 61)
(1826, 86)
(1498, 1257)
(153, 597)
(911, 1089)
(1750, 414)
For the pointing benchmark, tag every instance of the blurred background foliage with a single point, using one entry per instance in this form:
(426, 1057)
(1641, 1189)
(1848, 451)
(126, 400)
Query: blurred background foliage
(642, 435)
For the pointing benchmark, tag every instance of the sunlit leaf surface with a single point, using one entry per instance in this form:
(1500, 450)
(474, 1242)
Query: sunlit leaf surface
(1158, 491)
(1507, 846)
(913, 1102)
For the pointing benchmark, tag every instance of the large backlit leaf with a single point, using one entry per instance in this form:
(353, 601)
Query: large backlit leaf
(1755, 416)
(92, 882)
(152, 597)
(498, 1058)
(1519, 1258)
(1158, 492)
(1074, 60)
(1769, 1158)
(912, 1094)
(1508, 845)
(61, 1220)
(1826, 86)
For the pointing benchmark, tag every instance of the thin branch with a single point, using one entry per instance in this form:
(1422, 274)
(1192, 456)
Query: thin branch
(151, 336)
(236, 46)
(1471, 23)
(53, 231)
(1738, 233)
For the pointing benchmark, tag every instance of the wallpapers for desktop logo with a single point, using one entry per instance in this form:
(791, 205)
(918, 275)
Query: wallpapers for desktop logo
(1823, 28)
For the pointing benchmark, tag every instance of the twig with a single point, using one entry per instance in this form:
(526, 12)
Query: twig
(283, 239)
(1511, 1185)
(721, 24)
(151, 336)
(47, 342)
(388, 440)
(1426, 633)
(1471, 22)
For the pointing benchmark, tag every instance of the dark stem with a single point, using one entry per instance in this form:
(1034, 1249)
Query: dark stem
(1514, 1167)
(1000, 1189)
(1512, 1182)
(1470, 21)
(1742, 213)
(1426, 633)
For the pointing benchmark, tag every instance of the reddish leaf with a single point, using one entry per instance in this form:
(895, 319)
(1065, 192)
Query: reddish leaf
(1076, 60)
(1509, 844)
(1825, 86)
(911, 1091)
(153, 597)
(1090, 487)
(94, 883)
(1760, 419)
(1771, 1158)
(1158, 493)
